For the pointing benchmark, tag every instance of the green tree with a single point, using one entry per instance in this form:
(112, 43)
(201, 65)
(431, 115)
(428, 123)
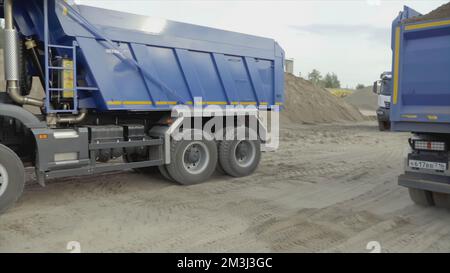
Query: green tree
(315, 77)
(331, 80)
(360, 86)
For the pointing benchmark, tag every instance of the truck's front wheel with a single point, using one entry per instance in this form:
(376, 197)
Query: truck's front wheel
(421, 197)
(12, 178)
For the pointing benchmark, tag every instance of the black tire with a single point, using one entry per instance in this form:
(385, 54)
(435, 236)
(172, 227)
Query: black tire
(163, 171)
(219, 169)
(421, 197)
(12, 189)
(441, 200)
(229, 162)
(181, 174)
(384, 126)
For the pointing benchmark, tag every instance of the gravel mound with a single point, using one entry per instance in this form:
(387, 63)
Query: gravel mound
(306, 103)
(439, 13)
(363, 99)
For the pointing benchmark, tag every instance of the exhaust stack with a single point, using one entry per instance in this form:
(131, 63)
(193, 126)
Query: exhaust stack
(12, 67)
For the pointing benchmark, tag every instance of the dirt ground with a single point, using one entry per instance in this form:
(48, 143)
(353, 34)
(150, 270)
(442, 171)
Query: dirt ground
(330, 188)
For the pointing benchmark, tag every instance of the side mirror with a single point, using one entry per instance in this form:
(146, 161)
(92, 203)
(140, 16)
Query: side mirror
(375, 88)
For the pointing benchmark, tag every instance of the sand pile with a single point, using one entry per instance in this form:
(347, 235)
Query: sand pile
(306, 103)
(363, 99)
(439, 13)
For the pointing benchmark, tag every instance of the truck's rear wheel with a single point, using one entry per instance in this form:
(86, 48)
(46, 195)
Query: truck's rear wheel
(441, 200)
(163, 171)
(421, 197)
(239, 158)
(219, 169)
(12, 178)
(192, 162)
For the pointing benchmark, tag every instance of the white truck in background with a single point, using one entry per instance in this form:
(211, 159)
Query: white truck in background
(383, 88)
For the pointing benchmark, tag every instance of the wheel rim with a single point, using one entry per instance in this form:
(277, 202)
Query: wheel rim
(196, 157)
(3, 179)
(245, 153)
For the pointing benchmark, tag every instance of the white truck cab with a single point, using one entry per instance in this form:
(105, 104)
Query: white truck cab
(383, 88)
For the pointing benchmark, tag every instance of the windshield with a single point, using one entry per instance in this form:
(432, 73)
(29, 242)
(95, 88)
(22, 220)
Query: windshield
(386, 88)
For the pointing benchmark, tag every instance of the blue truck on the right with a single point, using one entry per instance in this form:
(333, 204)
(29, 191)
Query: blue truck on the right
(421, 104)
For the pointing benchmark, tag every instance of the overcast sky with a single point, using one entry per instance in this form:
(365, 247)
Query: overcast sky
(350, 38)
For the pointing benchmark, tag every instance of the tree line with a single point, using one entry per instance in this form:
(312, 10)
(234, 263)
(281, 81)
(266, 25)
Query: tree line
(330, 80)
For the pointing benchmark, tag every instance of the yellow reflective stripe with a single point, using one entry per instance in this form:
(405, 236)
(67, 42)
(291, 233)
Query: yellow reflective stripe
(114, 103)
(226, 103)
(129, 103)
(426, 25)
(409, 116)
(188, 102)
(216, 103)
(243, 103)
(396, 64)
(137, 103)
(166, 103)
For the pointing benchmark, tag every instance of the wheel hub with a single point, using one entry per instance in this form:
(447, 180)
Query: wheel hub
(242, 150)
(193, 155)
(245, 153)
(3, 180)
(196, 158)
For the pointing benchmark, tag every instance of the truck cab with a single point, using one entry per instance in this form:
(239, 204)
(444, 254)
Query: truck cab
(383, 89)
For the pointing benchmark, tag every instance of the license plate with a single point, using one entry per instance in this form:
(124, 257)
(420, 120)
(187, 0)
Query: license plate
(436, 166)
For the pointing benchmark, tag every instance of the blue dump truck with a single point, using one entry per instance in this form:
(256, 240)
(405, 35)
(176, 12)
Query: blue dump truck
(111, 82)
(421, 103)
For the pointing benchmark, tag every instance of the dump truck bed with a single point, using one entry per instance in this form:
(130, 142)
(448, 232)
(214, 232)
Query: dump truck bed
(421, 92)
(178, 62)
